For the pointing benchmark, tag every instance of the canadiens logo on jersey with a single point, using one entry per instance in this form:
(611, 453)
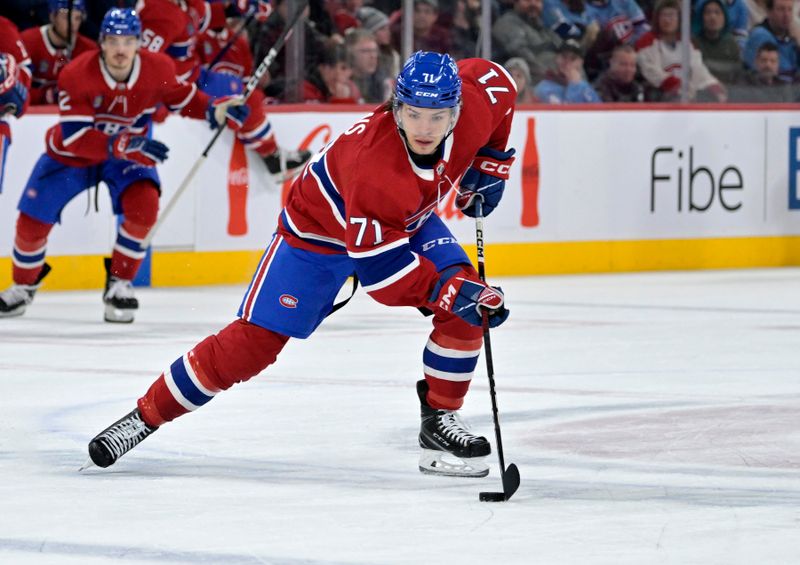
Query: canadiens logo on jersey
(288, 301)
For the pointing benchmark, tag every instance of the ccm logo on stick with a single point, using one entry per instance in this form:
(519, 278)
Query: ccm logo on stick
(288, 301)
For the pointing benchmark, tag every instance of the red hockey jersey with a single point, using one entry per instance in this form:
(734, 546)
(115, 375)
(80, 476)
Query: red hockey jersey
(174, 28)
(93, 106)
(364, 196)
(237, 61)
(47, 60)
(10, 42)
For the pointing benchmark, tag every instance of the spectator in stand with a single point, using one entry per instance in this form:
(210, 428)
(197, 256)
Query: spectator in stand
(521, 33)
(736, 19)
(660, 59)
(52, 46)
(377, 23)
(567, 84)
(777, 29)
(362, 50)
(570, 20)
(716, 43)
(762, 84)
(621, 22)
(619, 82)
(330, 81)
(428, 36)
(265, 38)
(346, 16)
(465, 25)
(521, 74)
(757, 13)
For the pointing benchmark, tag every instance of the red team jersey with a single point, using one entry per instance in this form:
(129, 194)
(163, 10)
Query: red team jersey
(11, 43)
(363, 195)
(47, 60)
(237, 61)
(93, 106)
(174, 29)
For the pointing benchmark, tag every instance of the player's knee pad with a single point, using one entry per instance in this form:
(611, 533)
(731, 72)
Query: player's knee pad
(140, 207)
(238, 352)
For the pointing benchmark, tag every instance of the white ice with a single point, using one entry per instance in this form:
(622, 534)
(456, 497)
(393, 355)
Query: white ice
(655, 418)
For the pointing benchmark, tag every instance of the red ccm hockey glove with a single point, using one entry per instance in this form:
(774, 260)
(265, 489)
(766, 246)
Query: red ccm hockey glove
(486, 177)
(465, 295)
(137, 148)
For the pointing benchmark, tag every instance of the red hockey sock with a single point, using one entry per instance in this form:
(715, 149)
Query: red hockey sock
(450, 357)
(237, 353)
(256, 132)
(140, 209)
(30, 246)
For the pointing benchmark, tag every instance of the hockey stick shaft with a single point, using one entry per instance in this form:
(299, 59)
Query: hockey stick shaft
(487, 342)
(252, 84)
(227, 47)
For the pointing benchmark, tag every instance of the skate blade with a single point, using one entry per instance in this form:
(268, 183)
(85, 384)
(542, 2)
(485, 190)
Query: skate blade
(88, 465)
(19, 311)
(118, 315)
(432, 463)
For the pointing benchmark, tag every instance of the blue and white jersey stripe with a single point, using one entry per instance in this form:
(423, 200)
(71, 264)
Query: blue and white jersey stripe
(381, 266)
(28, 259)
(328, 189)
(128, 245)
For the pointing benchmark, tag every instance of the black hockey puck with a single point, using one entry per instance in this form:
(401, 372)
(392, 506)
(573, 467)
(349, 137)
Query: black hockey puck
(492, 497)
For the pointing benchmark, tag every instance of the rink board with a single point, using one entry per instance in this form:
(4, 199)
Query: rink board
(591, 190)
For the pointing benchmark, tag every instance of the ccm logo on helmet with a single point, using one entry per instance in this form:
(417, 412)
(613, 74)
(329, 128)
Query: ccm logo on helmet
(427, 94)
(492, 167)
(288, 301)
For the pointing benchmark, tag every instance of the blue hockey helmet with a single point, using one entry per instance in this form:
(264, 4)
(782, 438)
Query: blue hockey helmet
(429, 80)
(56, 5)
(121, 21)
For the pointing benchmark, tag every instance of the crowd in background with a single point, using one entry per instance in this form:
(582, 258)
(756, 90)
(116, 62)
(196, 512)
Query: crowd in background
(558, 51)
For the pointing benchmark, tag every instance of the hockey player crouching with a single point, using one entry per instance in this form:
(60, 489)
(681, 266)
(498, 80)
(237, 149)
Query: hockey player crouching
(365, 205)
(106, 100)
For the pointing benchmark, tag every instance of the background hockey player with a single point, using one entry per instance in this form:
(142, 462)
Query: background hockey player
(365, 205)
(174, 27)
(52, 46)
(15, 80)
(106, 99)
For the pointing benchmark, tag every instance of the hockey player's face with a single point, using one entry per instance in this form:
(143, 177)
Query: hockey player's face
(61, 24)
(425, 127)
(119, 51)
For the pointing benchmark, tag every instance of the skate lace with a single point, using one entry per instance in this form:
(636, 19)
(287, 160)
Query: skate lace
(17, 293)
(119, 288)
(454, 429)
(125, 436)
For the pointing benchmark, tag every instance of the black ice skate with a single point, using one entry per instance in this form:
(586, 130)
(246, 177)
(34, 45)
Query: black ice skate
(121, 304)
(118, 439)
(443, 434)
(16, 298)
(285, 164)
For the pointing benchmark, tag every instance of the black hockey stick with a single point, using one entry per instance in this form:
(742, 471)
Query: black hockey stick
(510, 475)
(252, 84)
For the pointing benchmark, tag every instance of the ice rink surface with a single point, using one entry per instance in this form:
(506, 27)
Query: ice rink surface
(655, 418)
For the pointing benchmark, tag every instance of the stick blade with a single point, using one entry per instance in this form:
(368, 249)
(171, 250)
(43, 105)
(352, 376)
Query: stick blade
(492, 497)
(510, 481)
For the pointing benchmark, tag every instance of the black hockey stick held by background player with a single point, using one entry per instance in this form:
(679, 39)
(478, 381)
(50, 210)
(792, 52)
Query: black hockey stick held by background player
(252, 84)
(510, 475)
(227, 47)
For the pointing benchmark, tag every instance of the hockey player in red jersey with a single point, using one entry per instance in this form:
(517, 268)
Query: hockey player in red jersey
(365, 205)
(173, 27)
(106, 100)
(15, 82)
(54, 45)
